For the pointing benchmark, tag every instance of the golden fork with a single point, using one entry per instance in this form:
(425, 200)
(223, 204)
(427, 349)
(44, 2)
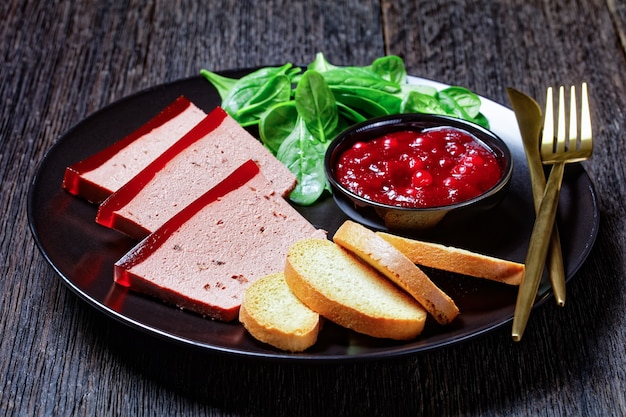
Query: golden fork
(530, 121)
(556, 152)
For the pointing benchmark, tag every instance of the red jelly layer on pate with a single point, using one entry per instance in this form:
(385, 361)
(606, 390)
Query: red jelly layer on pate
(193, 165)
(432, 168)
(97, 177)
(204, 257)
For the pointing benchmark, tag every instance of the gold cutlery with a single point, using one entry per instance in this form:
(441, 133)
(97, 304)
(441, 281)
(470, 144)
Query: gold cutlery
(556, 152)
(530, 121)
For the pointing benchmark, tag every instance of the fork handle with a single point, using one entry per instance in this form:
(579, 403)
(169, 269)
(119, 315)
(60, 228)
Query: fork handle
(555, 254)
(555, 266)
(537, 250)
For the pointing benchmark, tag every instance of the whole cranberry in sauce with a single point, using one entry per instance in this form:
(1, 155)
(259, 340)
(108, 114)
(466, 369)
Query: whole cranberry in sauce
(431, 168)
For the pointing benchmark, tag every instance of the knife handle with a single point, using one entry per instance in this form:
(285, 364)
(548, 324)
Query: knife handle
(537, 251)
(555, 256)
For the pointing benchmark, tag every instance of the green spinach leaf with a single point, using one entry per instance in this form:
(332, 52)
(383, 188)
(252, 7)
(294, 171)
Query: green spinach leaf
(320, 64)
(303, 154)
(245, 98)
(277, 123)
(359, 77)
(420, 88)
(249, 110)
(391, 102)
(363, 105)
(466, 99)
(349, 115)
(223, 85)
(481, 120)
(390, 68)
(316, 105)
(416, 102)
(451, 107)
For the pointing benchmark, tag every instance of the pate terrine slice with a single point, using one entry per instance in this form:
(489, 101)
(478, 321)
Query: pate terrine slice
(204, 257)
(193, 165)
(97, 177)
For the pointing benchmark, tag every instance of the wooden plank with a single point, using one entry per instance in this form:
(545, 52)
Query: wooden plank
(64, 60)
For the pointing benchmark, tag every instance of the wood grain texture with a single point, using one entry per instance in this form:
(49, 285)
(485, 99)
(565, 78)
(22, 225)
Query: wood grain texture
(64, 60)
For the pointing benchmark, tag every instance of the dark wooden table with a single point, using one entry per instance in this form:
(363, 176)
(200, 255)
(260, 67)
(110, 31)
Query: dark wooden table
(61, 61)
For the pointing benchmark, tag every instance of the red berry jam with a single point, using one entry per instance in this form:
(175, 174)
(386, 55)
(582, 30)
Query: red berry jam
(435, 167)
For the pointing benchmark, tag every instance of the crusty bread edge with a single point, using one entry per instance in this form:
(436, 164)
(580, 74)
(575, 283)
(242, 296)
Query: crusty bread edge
(389, 261)
(461, 261)
(275, 336)
(346, 316)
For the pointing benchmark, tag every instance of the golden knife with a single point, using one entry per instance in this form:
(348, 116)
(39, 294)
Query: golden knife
(530, 121)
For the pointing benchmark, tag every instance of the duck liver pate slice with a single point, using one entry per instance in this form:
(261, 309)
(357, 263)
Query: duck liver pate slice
(193, 165)
(97, 177)
(204, 258)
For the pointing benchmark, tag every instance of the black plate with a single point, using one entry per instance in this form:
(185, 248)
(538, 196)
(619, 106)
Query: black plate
(83, 253)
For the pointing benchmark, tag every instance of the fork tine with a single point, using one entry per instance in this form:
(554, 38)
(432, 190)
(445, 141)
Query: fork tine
(586, 143)
(567, 145)
(573, 127)
(560, 131)
(547, 140)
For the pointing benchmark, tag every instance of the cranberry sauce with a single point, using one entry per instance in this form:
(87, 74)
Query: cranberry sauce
(432, 168)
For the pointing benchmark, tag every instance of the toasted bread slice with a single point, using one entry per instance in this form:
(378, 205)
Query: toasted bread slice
(460, 261)
(388, 260)
(336, 284)
(274, 315)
